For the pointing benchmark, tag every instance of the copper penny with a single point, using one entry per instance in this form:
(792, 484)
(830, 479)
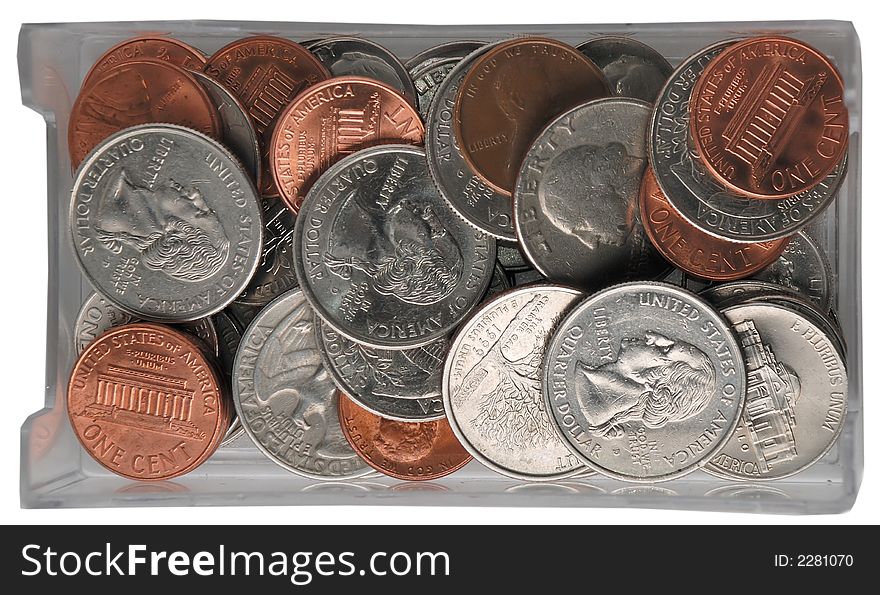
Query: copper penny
(146, 403)
(415, 451)
(265, 73)
(333, 119)
(162, 49)
(768, 118)
(138, 92)
(693, 250)
(507, 97)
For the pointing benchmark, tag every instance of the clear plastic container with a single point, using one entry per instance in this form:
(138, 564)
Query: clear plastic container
(57, 472)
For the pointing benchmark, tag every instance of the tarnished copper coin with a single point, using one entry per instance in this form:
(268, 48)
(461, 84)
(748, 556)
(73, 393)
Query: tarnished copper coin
(510, 93)
(146, 403)
(333, 119)
(265, 73)
(415, 451)
(138, 92)
(768, 118)
(163, 49)
(694, 251)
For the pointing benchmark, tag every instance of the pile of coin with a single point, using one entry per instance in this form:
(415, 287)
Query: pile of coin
(508, 251)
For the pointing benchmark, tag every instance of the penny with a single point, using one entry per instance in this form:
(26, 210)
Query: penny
(632, 68)
(702, 200)
(275, 274)
(229, 339)
(162, 49)
(285, 398)
(145, 403)
(382, 258)
(333, 119)
(165, 223)
(265, 73)
(803, 267)
(138, 92)
(399, 384)
(492, 384)
(430, 68)
(769, 119)
(237, 130)
(353, 56)
(472, 199)
(645, 381)
(414, 451)
(576, 200)
(444, 51)
(796, 400)
(509, 95)
(694, 251)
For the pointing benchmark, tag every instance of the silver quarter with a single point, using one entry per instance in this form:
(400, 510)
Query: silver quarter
(284, 396)
(463, 189)
(693, 192)
(165, 223)
(352, 56)
(237, 128)
(645, 381)
(275, 274)
(430, 68)
(382, 258)
(492, 384)
(452, 49)
(632, 68)
(576, 198)
(803, 267)
(229, 336)
(796, 400)
(400, 384)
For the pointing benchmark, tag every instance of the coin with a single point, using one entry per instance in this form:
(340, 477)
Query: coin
(769, 120)
(164, 223)
(414, 451)
(694, 251)
(472, 199)
(399, 384)
(430, 68)
(138, 92)
(382, 258)
(645, 381)
(333, 119)
(576, 200)
(803, 267)
(631, 68)
(265, 73)
(237, 130)
(444, 51)
(509, 95)
(203, 329)
(492, 384)
(796, 400)
(163, 49)
(96, 316)
(229, 339)
(353, 56)
(275, 273)
(284, 397)
(145, 402)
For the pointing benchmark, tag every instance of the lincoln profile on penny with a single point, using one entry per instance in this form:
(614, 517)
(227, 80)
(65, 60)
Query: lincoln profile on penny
(170, 225)
(653, 381)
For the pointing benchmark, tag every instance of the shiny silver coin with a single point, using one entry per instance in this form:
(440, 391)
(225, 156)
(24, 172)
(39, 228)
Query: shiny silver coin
(576, 199)
(802, 266)
(470, 197)
(632, 68)
(352, 56)
(204, 330)
(511, 258)
(237, 128)
(401, 384)
(284, 396)
(695, 194)
(242, 314)
(275, 274)
(382, 258)
(165, 223)
(431, 67)
(229, 335)
(645, 381)
(492, 384)
(796, 400)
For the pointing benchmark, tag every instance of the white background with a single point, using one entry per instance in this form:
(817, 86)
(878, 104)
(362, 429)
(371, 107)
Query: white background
(23, 231)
